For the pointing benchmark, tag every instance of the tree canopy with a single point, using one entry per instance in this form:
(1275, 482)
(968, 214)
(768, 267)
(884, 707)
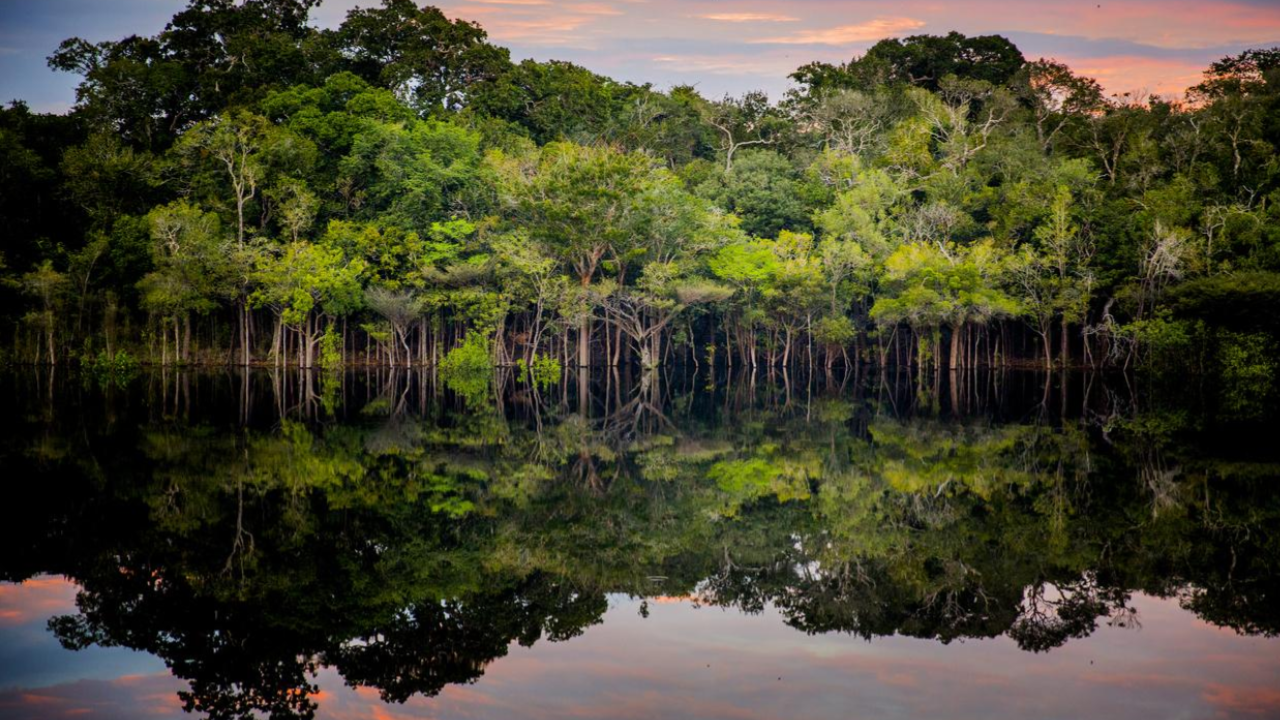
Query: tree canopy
(939, 201)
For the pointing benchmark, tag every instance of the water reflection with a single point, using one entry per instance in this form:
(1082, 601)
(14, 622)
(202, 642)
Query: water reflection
(256, 530)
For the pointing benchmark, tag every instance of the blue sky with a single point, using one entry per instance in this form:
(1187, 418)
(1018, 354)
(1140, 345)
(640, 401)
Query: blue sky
(727, 46)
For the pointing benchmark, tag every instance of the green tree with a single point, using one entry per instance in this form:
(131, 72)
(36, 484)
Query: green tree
(580, 202)
(432, 62)
(306, 285)
(194, 270)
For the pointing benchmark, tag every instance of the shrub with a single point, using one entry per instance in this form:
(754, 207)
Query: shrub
(468, 368)
(330, 350)
(117, 369)
(1248, 365)
(544, 372)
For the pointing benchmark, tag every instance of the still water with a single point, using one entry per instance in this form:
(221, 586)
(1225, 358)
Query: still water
(387, 545)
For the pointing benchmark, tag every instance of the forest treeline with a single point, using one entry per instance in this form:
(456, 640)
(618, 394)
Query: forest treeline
(244, 188)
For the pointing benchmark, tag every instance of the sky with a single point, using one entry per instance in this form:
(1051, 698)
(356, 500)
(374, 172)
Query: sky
(728, 46)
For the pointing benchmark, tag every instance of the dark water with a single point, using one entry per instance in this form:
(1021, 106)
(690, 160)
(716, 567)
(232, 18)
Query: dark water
(382, 546)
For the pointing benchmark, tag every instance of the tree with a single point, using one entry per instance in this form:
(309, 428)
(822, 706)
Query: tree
(305, 284)
(1055, 277)
(529, 272)
(932, 285)
(47, 286)
(863, 214)
(919, 60)
(431, 62)
(849, 122)
(1249, 73)
(555, 100)
(743, 122)
(1057, 97)
(401, 309)
(231, 160)
(747, 266)
(795, 293)
(409, 173)
(581, 203)
(926, 60)
(762, 189)
(1068, 252)
(193, 271)
(212, 55)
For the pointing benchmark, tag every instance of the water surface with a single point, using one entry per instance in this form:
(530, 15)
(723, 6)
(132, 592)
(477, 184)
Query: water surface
(389, 545)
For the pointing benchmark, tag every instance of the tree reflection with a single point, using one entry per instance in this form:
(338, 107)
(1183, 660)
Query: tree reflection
(406, 537)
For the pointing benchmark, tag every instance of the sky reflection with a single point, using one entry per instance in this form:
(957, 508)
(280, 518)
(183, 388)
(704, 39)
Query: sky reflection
(689, 661)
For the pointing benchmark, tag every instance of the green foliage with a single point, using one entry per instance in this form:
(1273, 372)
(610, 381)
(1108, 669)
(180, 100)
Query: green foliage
(193, 261)
(919, 60)
(545, 371)
(1250, 372)
(1244, 301)
(304, 278)
(330, 349)
(400, 174)
(928, 286)
(106, 369)
(834, 330)
(407, 174)
(763, 189)
(1165, 346)
(468, 368)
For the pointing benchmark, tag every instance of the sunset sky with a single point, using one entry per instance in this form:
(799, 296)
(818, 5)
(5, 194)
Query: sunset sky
(729, 46)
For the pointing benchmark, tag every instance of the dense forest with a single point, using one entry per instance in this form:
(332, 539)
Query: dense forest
(244, 188)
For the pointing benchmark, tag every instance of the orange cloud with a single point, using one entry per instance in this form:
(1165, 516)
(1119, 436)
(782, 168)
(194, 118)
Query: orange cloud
(748, 17)
(35, 599)
(1248, 700)
(540, 31)
(1177, 24)
(594, 9)
(33, 699)
(1171, 24)
(1132, 74)
(848, 34)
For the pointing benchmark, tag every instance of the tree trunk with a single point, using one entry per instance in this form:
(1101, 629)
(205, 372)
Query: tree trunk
(1064, 355)
(584, 342)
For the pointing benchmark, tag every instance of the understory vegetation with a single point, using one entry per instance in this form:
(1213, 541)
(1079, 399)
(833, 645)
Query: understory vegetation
(246, 189)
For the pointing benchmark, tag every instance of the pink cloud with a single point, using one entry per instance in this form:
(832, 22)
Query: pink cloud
(748, 17)
(848, 34)
(1136, 75)
(126, 697)
(35, 599)
(1263, 701)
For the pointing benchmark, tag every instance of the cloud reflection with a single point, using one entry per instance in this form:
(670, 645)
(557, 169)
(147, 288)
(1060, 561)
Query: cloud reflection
(685, 661)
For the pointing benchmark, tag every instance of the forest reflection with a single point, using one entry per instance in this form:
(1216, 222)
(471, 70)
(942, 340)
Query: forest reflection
(253, 528)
